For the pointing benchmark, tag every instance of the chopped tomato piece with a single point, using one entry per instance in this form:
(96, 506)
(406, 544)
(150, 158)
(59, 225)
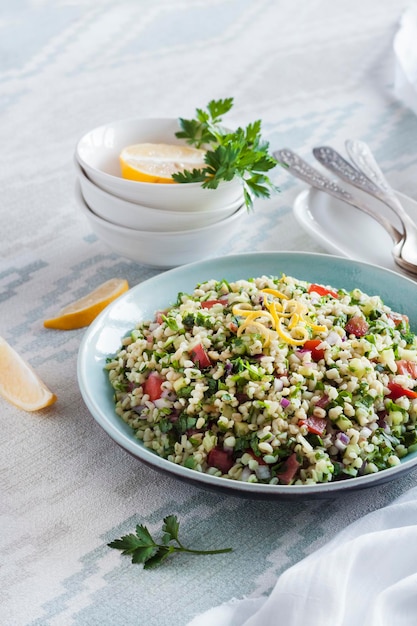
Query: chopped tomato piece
(316, 425)
(159, 316)
(257, 458)
(407, 367)
(316, 352)
(398, 318)
(291, 466)
(200, 357)
(396, 391)
(209, 303)
(322, 291)
(357, 326)
(153, 386)
(221, 459)
(323, 401)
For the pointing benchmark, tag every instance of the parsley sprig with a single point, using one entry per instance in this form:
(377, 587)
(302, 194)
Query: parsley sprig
(241, 153)
(144, 549)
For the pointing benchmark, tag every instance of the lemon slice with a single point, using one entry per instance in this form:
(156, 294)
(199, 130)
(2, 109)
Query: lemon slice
(83, 311)
(19, 383)
(156, 162)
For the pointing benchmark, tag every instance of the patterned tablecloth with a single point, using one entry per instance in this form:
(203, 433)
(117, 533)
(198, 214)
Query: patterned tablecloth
(315, 72)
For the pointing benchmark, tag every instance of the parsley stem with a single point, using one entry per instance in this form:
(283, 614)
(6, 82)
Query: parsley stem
(189, 550)
(182, 548)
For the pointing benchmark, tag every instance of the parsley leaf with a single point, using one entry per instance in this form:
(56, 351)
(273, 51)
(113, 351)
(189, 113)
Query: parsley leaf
(144, 549)
(242, 153)
(170, 528)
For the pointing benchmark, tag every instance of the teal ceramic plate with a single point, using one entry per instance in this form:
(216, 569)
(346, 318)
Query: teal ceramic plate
(103, 338)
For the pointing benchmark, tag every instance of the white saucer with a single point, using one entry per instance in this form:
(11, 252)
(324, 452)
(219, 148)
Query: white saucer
(346, 231)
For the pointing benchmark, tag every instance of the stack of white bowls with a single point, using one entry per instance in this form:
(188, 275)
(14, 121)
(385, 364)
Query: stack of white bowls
(156, 224)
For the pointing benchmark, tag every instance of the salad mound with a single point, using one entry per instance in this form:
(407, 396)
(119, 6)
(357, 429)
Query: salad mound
(271, 380)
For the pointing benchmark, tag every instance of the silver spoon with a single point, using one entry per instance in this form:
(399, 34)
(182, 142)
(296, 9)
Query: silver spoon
(371, 180)
(336, 163)
(364, 160)
(301, 169)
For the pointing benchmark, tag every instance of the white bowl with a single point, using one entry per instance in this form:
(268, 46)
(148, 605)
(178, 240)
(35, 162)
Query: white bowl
(163, 249)
(132, 215)
(98, 152)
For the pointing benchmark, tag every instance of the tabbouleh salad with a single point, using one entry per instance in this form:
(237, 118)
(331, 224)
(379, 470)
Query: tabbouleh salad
(271, 380)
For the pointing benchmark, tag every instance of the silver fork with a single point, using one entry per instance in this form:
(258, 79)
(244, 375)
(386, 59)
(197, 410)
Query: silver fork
(301, 169)
(368, 177)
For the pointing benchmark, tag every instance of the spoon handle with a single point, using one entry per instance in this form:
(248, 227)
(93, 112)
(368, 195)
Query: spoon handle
(364, 160)
(362, 157)
(301, 169)
(370, 178)
(334, 162)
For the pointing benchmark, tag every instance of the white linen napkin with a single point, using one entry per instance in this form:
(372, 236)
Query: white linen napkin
(405, 50)
(366, 575)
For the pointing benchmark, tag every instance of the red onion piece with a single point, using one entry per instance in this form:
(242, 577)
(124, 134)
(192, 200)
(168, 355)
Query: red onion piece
(168, 394)
(228, 367)
(342, 441)
(333, 338)
(162, 403)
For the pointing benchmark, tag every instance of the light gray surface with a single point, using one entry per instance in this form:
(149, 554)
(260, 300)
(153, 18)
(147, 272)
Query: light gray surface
(315, 73)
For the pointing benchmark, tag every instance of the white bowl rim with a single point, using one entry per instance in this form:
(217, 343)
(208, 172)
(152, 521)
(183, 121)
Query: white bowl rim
(137, 183)
(82, 175)
(163, 233)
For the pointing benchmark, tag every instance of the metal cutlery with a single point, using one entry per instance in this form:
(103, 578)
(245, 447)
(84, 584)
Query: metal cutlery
(301, 169)
(368, 177)
(361, 155)
(334, 162)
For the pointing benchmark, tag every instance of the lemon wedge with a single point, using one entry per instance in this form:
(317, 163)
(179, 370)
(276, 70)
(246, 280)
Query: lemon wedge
(156, 162)
(83, 311)
(19, 383)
